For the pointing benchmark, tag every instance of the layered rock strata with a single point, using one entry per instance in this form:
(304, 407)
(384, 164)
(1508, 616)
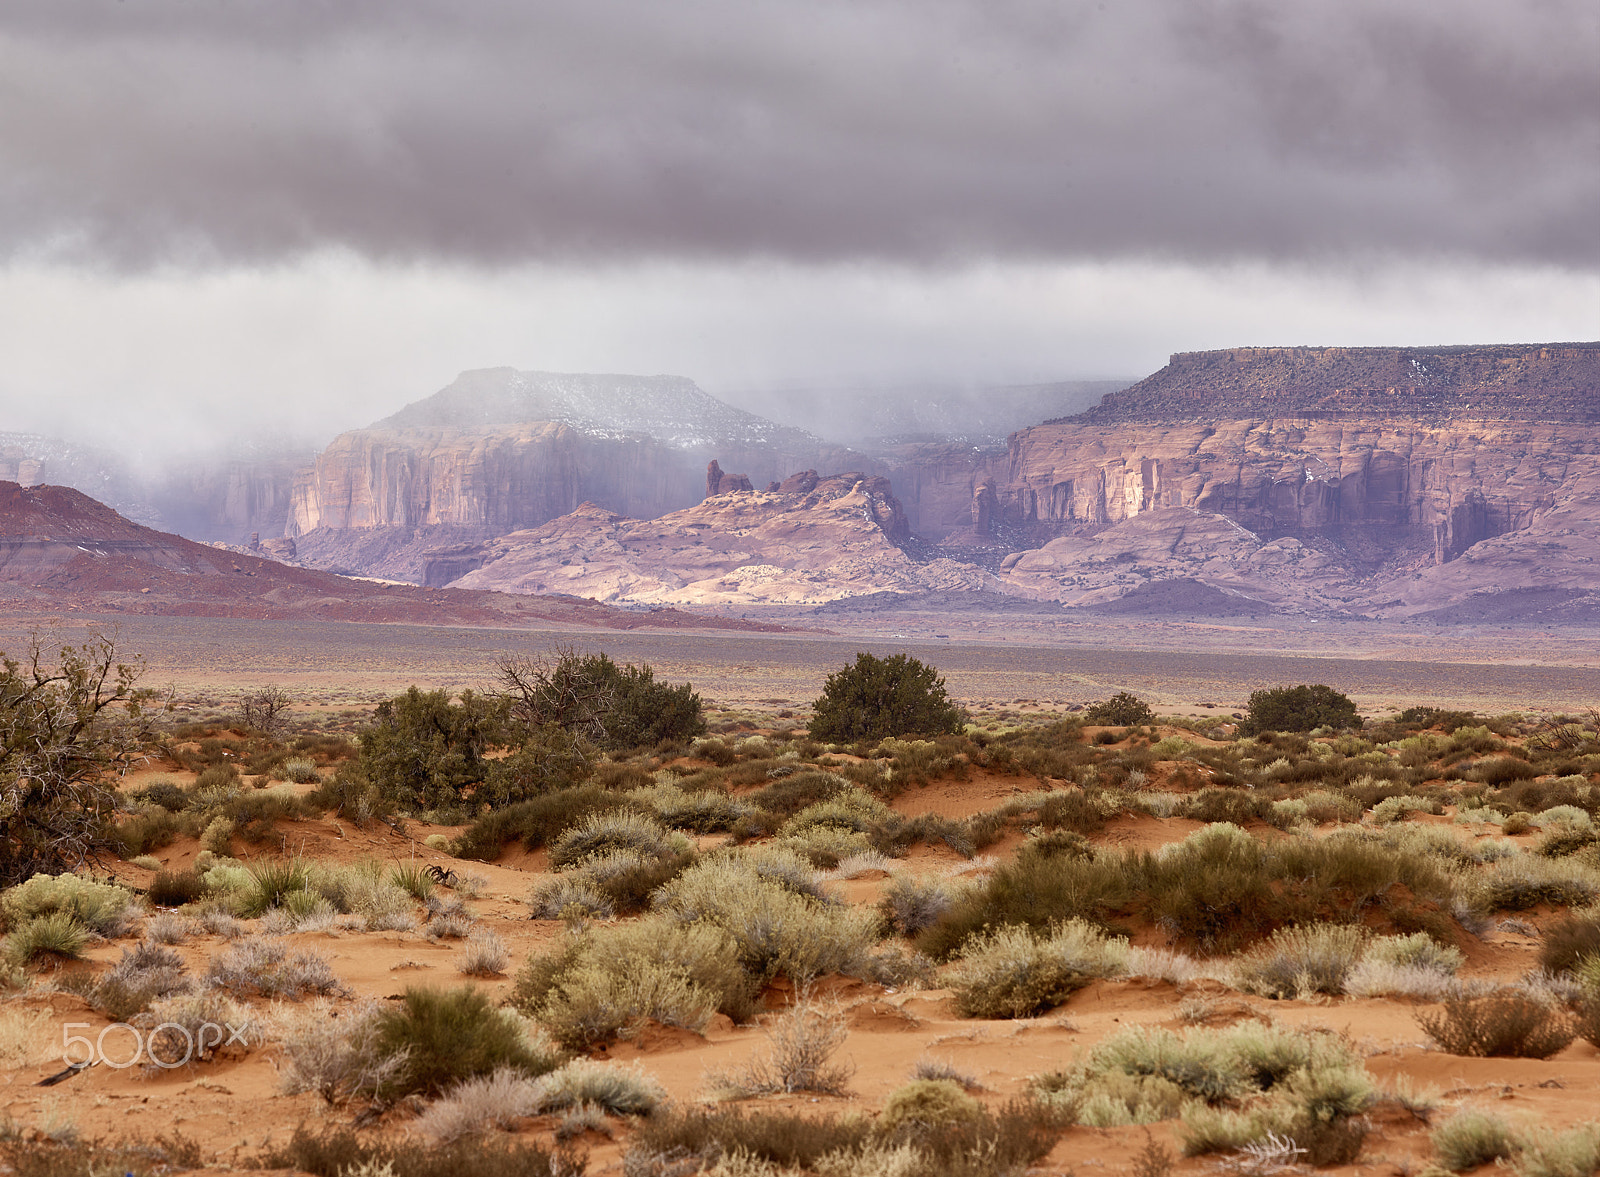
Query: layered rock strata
(812, 539)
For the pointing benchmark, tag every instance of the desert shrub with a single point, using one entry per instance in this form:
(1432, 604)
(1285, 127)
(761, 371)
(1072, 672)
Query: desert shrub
(1549, 1153)
(104, 908)
(1215, 804)
(1231, 1087)
(56, 934)
(802, 1043)
(547, 760)
(1471, 1138)
(910, 904)
(880, 697)
(707, 1133)
(351, 795)
(705, 811)
(609, 981)
(1298, 709)
(622, 1091)
(1124, 709)
(1010, 973)
(1504, 1023)
(339, 1058)
(590, 696)
(341, 1152)
(778, 931)
(272, 881)
(1077, 810)
(150, 829)
(1499, 770)
(139, 977)
(1430, 717)
(927, 1103)
(1296, 961)
(192, 1027)
(606, 833)
(174, 888)
(445, 1037)
(1569, 940)
(1398, 807)
(1526, 881)
(268, 968)
(423, 751)
(534, 822)
(475, 1105)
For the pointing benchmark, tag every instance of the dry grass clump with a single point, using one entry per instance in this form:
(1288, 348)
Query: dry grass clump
(485, 955)
(803, 1042)
(1471, 1138)
(1508, 1022)
(341, 1152)
(731, 1143)
(927, 1103)
(476, 1105)
(619, 1090)
(1569, 940)
(268, 969)
(57, 934)
(336, 1053)
(607, 833)
(168, 927)
(1527, 881)
(703, 811)
(1012, 973)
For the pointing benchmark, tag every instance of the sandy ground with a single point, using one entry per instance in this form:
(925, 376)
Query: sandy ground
(234, 1107)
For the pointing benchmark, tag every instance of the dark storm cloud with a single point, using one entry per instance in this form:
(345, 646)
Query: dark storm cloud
(149, 130)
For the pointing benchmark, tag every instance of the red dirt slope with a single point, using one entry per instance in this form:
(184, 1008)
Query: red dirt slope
(61, 550)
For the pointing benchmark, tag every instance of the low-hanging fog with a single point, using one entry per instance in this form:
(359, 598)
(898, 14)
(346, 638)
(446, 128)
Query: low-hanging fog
(266, 220)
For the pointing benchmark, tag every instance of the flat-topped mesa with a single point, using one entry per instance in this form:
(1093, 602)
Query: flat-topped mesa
(1554, 382)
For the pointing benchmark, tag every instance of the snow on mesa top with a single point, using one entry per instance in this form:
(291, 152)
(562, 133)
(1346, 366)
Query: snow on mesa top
(670, 408)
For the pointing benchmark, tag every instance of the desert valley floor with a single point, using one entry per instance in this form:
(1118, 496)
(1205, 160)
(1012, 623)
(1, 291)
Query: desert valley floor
(758, 689)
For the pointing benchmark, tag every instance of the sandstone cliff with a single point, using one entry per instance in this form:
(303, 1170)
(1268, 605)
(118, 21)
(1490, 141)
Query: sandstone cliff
(1382, 466)
(501, 450)
(812, 539)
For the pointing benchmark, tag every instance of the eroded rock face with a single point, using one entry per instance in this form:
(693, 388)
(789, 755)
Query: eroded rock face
(821, 539)
(501, 450)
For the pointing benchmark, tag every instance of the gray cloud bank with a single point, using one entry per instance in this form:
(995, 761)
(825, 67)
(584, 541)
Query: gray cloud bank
(927, 131)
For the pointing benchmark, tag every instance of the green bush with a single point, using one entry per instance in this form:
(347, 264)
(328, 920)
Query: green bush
(57, 934)
(1298, 709)
(881, 697)
(534, 822)
(446, 1037)
(591, 697)
(424, 752)
(1123, 709)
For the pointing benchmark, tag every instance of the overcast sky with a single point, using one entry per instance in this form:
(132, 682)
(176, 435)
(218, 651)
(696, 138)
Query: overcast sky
(304, 213)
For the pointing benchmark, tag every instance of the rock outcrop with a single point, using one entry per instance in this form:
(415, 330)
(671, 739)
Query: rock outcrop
(501, 450)
(1354, 478)
(812, 539)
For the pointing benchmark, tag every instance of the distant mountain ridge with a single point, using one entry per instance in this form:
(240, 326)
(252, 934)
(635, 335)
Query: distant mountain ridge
(671, 409)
